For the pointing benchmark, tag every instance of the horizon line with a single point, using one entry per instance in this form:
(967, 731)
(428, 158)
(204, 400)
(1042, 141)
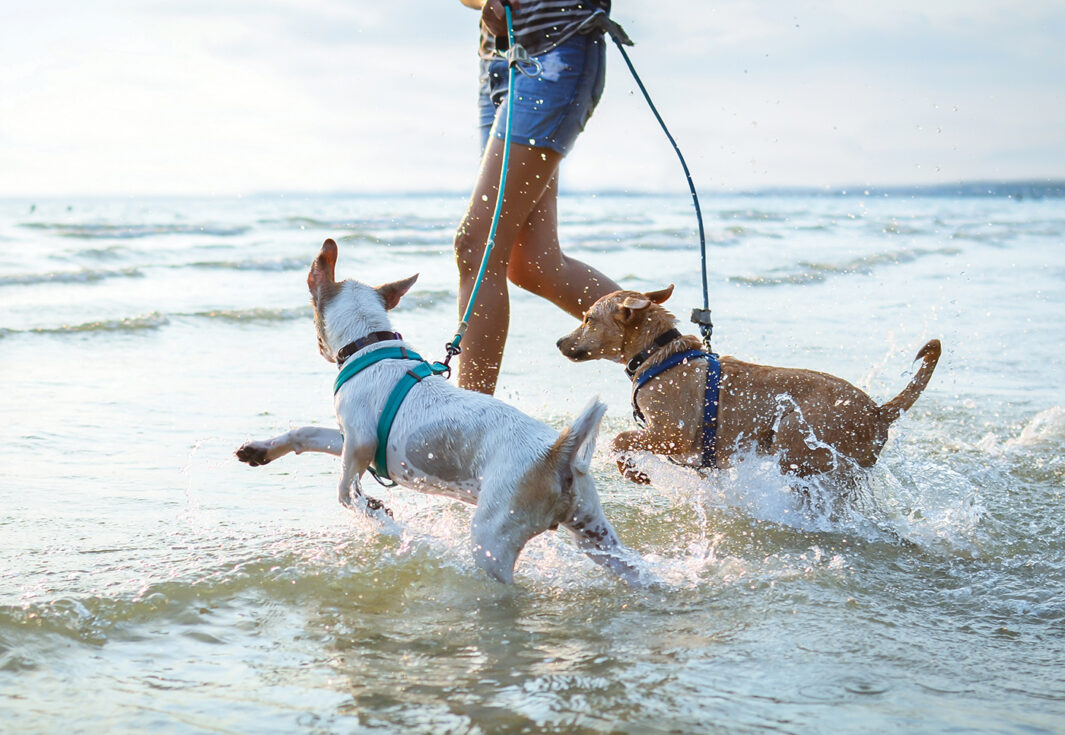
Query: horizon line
(1030, 187)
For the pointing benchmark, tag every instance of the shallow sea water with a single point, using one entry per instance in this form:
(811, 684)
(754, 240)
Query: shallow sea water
(148, 580)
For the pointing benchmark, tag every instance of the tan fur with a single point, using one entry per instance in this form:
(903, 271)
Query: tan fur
(788, 412)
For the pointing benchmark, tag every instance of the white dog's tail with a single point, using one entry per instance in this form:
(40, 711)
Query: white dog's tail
(576, 444)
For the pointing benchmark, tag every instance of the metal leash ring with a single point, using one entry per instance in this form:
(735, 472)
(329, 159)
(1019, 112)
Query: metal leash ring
(518, 58)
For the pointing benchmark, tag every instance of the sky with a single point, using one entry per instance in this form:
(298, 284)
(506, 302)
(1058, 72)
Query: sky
(222, 97)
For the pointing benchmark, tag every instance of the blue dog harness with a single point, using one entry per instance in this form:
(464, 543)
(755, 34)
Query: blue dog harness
(415, 375)
(711, 396)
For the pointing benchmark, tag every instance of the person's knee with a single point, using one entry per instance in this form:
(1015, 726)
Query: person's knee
(468, 254)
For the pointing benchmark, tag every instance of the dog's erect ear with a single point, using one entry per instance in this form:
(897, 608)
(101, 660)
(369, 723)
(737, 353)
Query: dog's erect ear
(661, 295)
(323, 269)
(636, 302)
(629, 306)
(391, 293)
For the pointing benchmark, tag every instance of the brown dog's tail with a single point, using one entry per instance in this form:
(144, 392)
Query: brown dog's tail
(892, 409)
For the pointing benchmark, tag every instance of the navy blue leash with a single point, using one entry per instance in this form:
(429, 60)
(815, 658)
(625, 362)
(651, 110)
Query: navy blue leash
(699, 316)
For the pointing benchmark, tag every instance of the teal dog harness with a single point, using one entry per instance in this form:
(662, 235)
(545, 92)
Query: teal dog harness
(415, 375)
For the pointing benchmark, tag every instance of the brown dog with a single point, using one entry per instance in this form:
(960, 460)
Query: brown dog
(813, 422)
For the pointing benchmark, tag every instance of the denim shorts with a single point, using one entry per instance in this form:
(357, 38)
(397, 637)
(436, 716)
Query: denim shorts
(552, 109)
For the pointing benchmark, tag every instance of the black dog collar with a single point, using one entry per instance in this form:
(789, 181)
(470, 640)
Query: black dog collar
(350, 349)
(660, 341)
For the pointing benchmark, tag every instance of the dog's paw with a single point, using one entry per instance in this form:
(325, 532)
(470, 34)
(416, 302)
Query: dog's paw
(253, 453)
(629, 472)
(365, 504)
(374, 506)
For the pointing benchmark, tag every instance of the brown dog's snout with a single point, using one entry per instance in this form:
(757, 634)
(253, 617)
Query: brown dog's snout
(568, 346)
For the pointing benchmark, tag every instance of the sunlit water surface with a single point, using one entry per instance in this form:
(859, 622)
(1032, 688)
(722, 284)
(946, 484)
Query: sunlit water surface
(150, 581)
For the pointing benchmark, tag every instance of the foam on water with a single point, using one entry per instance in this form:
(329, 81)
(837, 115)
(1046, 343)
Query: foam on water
(130, 325)
(810, 272)
(134, 231)
(86, 275)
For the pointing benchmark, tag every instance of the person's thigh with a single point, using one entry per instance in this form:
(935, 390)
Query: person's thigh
(530, 170)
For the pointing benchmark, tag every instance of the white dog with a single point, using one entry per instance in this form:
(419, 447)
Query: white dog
(523, 476)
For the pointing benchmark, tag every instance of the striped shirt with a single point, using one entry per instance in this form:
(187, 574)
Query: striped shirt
(541, 25)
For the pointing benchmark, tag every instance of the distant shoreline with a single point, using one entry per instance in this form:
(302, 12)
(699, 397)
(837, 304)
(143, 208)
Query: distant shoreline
(1009, 189)
(1020, 190)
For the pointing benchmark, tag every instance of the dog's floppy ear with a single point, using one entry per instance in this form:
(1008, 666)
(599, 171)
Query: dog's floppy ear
(391, 293)
(323, 269)
(661, 295)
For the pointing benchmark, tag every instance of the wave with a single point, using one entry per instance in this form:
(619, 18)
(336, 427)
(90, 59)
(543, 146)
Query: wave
(429, 300)
(134, 231)
(111, 252)
(1002, 232)
(147, 322)
(363, 225)
(94, 619)
(133, 324)
(865, 265)
(894, 227)
(87, 275)
(360, 557)
(269, 264)
(258, 314)
(250, 315)
(156, 320)
(1036, 452)
(653, 239)
(1046, 428)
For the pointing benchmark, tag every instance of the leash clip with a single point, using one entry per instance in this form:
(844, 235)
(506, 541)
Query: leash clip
(452, 349)
(702, 318)
(518, 58)
(442, 368)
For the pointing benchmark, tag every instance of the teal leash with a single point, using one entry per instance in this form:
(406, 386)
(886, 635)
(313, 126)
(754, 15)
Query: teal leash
(516, 57)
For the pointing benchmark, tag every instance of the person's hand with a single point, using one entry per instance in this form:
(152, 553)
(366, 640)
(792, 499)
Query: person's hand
(494, 16)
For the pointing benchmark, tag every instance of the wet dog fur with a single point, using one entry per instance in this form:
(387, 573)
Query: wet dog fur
(523, 477)
(814, 423)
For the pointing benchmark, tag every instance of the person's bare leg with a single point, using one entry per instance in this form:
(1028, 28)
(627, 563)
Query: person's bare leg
(537, 263)
(530, 171)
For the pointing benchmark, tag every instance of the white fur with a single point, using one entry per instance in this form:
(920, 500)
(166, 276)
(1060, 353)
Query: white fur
(465, 445)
